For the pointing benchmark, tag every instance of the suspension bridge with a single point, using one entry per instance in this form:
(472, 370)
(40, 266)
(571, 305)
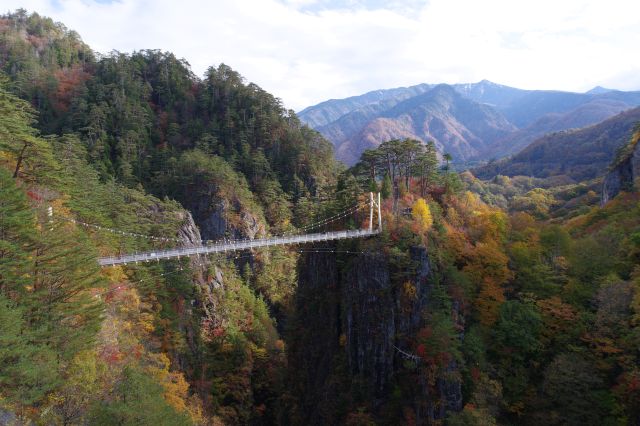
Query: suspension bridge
(247, 244)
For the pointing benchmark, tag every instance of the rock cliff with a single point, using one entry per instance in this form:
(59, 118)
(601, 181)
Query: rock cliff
(221, 218)
(356, 318)
(624, 174)
(369, 323)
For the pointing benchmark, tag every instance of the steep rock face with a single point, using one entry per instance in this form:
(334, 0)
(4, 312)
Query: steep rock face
(209, 298)
(358, 321)
(369, 321)
(188, 232)
(623, 176)
(410, 320)
(8, 418)
(221, 218)
(431, 403)
(314, 346)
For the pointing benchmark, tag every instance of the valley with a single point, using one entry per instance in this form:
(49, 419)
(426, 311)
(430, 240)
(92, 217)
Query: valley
(179, 249)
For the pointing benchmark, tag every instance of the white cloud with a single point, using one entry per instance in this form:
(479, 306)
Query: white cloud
(306, 51)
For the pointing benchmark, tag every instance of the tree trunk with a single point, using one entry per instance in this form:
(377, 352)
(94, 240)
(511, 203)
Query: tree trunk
(19, 163)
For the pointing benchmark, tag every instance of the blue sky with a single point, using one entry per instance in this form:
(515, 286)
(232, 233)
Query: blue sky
(307, 51)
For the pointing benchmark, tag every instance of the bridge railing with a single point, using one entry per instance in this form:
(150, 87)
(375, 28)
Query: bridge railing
(234, 246)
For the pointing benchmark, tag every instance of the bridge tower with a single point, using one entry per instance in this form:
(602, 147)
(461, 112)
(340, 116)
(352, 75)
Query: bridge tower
(373, 203)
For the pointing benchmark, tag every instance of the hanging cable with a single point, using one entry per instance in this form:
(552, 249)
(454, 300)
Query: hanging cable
(310, 226)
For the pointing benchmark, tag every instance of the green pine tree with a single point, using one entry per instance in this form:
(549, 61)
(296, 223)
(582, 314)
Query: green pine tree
(17, 238)
(28, 155)
(65, 270)
(137, 400)
(27, 368)
(387, 188)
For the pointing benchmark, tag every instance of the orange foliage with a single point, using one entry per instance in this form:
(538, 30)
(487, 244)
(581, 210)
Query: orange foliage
(456, 242)
(487, 267)
(488, 302)
(176, 388)
(557, 316)
(487, 261)
(68, 80)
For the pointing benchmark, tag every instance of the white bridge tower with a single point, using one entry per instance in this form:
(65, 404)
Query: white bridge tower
(373, 203)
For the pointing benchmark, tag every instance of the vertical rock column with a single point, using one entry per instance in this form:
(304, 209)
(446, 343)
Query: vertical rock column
(369, 321)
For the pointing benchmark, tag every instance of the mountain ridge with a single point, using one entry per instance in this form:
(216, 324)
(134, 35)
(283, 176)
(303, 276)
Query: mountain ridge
(366, 120)
(454, 123)
(579, 154)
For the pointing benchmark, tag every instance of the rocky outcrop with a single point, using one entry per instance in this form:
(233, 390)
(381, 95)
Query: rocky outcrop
(314, 348)
(218, 217)
(369, 321)
(431, 403)
(188, 233)
(358, 320)
(623, 176)
(9, 419)
(209, 298)
(410, 320)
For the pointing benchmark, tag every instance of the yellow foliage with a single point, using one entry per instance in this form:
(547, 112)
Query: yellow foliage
(409, 290)
(488, 302)
(115, 275)
(422, 214)
(487, 267)
(176, 388)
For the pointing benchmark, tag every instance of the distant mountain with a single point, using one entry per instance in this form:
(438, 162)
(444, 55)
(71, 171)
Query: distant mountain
(487, 92)
(582, 116)
(331, 110)
(598, 90)
(534, 105)
(578, 154)
(456, 124)
(518, 116)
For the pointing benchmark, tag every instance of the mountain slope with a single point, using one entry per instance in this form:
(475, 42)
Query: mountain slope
(356, 123)
(487, 92)
(457, 125)
(124, 124)
(585, 115)
(579, 154)
(535, 104)
(329, 111)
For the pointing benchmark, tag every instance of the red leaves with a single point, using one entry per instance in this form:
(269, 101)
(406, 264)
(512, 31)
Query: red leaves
(475, 374)
(111, 354)
(34, 196)
(69, 79)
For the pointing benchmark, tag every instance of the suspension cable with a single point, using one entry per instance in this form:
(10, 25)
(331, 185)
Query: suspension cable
(308, 227)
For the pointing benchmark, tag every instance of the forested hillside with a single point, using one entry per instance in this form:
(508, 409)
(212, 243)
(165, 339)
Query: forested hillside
(118, 146)
(577, 155)
(509, 301)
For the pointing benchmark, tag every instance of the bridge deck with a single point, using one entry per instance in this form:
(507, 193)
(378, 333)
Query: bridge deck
(234, 246)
